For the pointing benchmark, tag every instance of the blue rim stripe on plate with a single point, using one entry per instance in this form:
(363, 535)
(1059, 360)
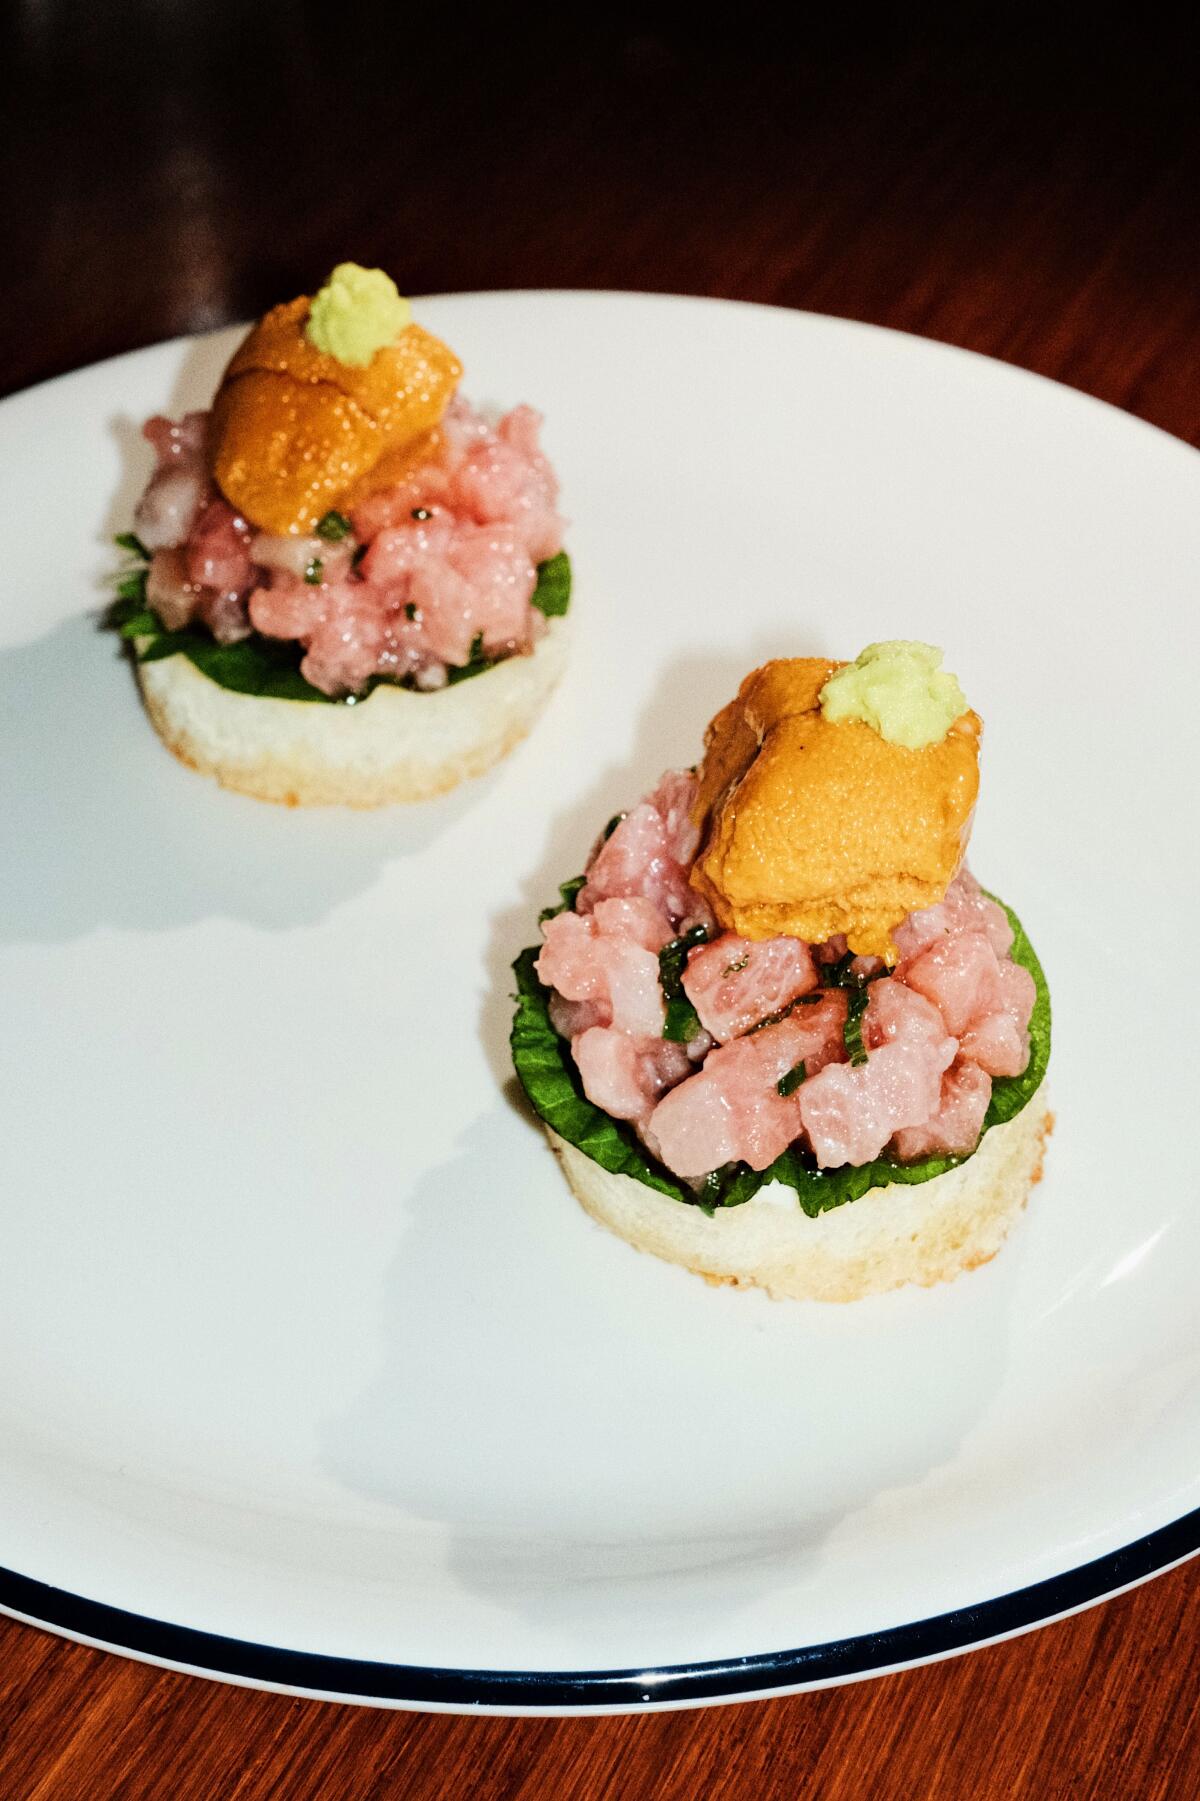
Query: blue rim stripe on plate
(208, 1652)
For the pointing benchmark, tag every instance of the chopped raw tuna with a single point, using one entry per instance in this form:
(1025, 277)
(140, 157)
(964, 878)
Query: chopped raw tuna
(850, 1113)
(169, 591)
(963, 905)
(999, 1042)
(897, 1015)
(649, 855)
(442, 567)
(346, 636)
(732, 1110)
(625, 1074)
(954, 1129)
(485, 475)
(610, 958)
(181, 484)
(951, 1016)
(570, 1018)
(218, 550)
(960, 974)
(734, 983)
(296, 556)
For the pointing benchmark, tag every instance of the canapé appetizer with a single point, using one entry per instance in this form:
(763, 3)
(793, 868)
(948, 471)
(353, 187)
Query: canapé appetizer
(777, 1031)
(330, 551)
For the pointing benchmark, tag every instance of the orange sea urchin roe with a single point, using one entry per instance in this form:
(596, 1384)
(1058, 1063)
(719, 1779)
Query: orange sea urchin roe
(294, 430)
(811, 828)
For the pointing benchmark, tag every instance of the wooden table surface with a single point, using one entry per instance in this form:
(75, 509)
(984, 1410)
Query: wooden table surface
(171, 168)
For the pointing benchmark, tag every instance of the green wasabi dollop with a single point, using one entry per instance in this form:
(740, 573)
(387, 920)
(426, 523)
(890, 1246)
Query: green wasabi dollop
(355, 314)
(900, 690)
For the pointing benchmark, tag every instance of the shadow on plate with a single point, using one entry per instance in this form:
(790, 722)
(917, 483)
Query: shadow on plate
(588, 1429)
(106, 828)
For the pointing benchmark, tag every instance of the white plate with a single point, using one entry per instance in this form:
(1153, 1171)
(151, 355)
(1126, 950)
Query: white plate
(313, 1373)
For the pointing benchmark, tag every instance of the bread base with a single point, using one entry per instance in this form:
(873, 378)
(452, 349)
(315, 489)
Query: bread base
(928, 1232)
(397, 745)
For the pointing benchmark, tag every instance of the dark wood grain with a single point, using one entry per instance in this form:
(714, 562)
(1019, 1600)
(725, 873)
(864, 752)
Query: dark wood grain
(169, 168)
(1106, 1704)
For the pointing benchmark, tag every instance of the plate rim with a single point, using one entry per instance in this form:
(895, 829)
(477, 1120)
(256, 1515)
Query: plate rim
(437, 1688)
(589, 1692)
(670, 296)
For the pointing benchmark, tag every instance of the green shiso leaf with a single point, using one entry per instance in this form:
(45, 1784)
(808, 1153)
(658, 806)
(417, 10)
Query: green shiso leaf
(550, 1078)
(552, 596)
(118, 615)
(726, 1187)
(475, 664)
(266, 667)
(1011, 1093)
(138, 624)
(568, 891)
(133, 544)
(133, 587)
(820, 1189)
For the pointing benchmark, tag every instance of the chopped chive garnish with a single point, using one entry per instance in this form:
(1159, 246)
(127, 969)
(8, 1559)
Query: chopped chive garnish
(842, 974)
(422, 513)
(314, 572)
(682, 1021)
(789, 1083)
(410, 609)
(771, 1019)
(333, 527)
(852, 1036)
